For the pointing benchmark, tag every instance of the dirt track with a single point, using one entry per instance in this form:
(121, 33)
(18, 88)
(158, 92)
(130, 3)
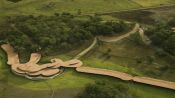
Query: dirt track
(117, 38)
(87, 49)
(144, 38)
(107, 39)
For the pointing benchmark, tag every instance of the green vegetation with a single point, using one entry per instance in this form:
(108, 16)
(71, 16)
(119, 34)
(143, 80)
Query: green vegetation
(147, 3)
(73, 6)
(105, 90)
(131, 56)
(105, 64)
(148, 17)
(49, 33)
(163, 36)
(172, 22)
(14, 0)
(48, 7)
(30, 26)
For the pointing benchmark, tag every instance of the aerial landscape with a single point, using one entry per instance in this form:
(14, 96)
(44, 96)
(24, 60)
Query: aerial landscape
(87, 48)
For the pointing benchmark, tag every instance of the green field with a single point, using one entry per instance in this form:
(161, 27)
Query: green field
(48, 7)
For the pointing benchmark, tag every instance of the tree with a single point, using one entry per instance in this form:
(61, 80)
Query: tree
(60, 31)
(169, 45)
(163, 37)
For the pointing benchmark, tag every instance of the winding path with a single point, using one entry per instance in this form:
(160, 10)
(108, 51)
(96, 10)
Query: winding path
(118, 38)
(144, 38)
(87, 49)
(105, 39)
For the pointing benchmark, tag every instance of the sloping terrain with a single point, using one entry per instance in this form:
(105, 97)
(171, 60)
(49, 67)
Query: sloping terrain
(75, 6)
(146, 3)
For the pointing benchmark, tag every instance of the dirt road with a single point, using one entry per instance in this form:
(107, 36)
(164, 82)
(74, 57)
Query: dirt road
(87, 49)
(117, 38)
(144, 38)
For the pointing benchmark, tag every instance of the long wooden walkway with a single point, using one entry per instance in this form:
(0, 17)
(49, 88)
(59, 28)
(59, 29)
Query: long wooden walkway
(128, 77)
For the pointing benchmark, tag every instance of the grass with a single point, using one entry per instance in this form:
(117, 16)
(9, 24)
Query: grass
(144, 91)
(48, 7)
(148, 3)
(100, 63)
(69, 79)
(72, 6)
(108, 18)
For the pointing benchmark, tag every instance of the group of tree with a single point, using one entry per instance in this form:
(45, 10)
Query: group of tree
(14, 0)
(163, 36)
(58, 32)
(104, 89)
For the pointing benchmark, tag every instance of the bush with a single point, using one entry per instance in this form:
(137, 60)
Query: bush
(136, 39)
(104, 89)
(160, 53)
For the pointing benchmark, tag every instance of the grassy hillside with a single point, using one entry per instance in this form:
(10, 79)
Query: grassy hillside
(146, 3)
(52, 6)
(74, 6)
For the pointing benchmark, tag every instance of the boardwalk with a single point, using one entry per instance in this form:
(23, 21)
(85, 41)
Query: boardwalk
(127, 77)
(112, 73)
